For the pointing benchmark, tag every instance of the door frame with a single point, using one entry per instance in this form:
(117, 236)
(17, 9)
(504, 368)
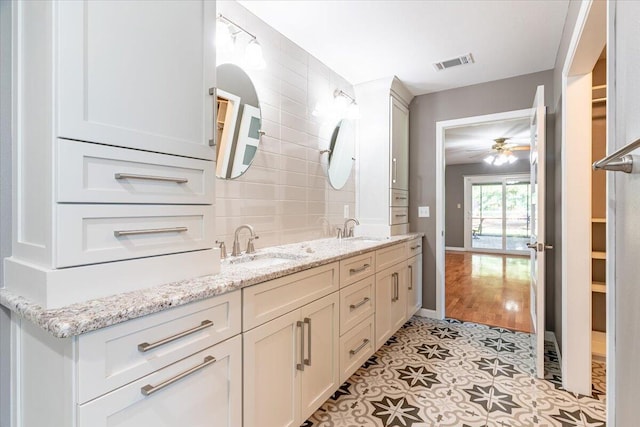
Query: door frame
(441, 127)
(469, 180)
(587, 41)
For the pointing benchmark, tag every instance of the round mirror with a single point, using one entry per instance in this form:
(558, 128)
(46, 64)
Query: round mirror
(341, 154)
(238, 122)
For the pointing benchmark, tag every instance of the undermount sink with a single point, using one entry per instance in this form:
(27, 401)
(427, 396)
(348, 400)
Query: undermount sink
(264, 260)
(366, 239)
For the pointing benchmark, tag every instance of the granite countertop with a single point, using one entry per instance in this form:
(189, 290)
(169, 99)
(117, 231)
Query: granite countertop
(235, 273)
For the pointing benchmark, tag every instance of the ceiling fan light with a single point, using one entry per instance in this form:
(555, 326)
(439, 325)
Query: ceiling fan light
(512, 159)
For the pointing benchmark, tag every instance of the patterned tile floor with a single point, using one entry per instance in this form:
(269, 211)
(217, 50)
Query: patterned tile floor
(447, 373)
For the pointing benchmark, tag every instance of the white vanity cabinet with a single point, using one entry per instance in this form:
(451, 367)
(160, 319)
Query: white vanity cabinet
(182, 366)
(291, 364)
(112, 124)
(383, 194)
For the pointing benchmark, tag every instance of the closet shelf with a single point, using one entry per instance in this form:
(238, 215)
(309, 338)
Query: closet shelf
(599, 220)
(599, 287)
(598, 255)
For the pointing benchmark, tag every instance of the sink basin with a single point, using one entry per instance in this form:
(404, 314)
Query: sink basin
(264, 260)
(366, 239)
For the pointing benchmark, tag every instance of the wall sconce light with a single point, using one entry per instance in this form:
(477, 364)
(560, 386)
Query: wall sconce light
(345, 105)
(226, 33)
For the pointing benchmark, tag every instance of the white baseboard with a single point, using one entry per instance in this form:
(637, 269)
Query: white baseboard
(431, 314)
(454, 248)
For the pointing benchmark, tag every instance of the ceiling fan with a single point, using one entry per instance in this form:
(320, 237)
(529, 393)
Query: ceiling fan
(502, 152)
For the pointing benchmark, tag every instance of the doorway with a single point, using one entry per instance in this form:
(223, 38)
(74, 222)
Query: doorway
(497, 213)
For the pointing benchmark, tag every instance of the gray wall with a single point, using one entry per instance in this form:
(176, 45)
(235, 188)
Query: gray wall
(569, 24)
(498, 96)
(454, 194)
(5, 198)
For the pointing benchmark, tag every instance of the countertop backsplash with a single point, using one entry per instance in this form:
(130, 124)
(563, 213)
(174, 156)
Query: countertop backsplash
(285, 193)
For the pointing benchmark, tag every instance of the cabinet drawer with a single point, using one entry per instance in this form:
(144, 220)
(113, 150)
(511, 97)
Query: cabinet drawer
(389, 256)
(398, 216)
(93, 173)
(357, 302)
(356, 268)
(414, 247)
(111, 357)
(89, 234)
(356, 346)
(398, 197)
(274, 298)
(211, 391)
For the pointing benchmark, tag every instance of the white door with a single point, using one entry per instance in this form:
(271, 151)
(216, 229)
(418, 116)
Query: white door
(137, 74)
(321, 375)
(271, 374)
(537, 245)
(623, 292)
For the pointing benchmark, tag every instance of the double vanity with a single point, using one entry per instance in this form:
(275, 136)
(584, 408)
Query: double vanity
(263, 343)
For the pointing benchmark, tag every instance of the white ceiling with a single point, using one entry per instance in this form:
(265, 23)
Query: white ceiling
(471, 144)
(365, 40)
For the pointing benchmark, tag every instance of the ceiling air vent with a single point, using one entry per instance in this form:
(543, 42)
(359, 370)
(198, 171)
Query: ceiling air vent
(461, 60)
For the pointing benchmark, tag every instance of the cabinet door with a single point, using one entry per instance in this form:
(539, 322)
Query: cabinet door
(272, 352)
(321, 376)
(399, 305)
(137, 74)
(384, 300)
(414, 285)
(399, 146)
(209, 394)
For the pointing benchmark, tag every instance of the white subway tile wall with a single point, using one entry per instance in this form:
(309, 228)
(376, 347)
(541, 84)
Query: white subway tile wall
(285, 193)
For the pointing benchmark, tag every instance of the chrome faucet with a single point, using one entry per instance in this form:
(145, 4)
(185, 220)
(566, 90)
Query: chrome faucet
(348, 232)
(236, 243)
(223, 249)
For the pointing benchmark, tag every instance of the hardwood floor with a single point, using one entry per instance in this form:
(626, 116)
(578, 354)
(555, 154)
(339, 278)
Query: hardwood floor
(489, 289)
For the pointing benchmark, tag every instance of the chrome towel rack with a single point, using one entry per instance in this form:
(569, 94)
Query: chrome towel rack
(618, 161)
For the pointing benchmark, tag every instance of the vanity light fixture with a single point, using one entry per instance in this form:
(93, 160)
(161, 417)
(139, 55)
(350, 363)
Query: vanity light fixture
(345, 105)
(226, 36)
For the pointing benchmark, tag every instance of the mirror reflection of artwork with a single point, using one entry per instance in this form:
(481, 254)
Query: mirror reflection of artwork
(341, 156)
(239, 122)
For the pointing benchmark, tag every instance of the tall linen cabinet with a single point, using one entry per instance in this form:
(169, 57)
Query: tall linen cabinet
(383, 158)
(113, 163)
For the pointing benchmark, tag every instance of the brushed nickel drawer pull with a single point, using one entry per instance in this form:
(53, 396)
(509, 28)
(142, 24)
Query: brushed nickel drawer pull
(120, 233)
(300, 366)
(360, 304)
(360, 347)
(401, 198)
(150, 178)
(358, 270)
(149, 389)
(146, 346)
(307, 361)
(413, 248)
(400, 215)
(410, 277)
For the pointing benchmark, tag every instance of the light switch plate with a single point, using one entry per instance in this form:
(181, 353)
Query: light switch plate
(423, 211)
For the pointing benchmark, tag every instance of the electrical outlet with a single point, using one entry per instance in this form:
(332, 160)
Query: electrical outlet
(423, 211)
(346, 211)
